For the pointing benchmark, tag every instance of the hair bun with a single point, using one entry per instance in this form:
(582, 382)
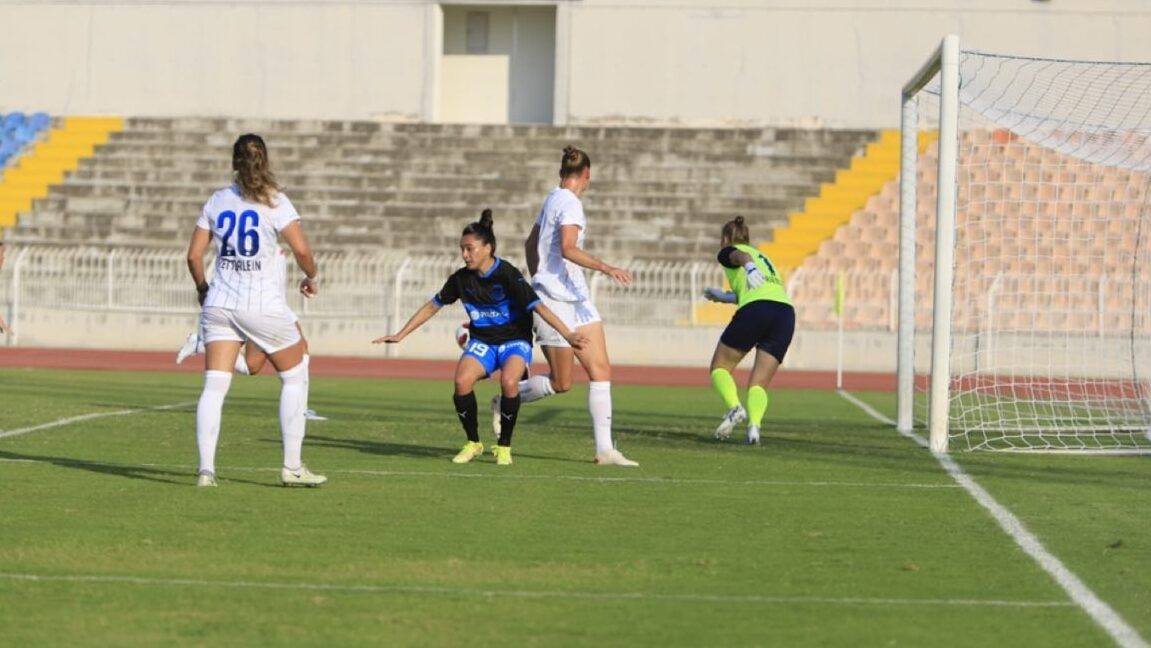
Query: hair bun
(486, 218)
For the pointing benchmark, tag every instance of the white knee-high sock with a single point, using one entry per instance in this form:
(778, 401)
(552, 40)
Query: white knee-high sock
(307, 379)
(293, 395)
(242, 365)
(535, 388)
(599, 404)
(208, 413)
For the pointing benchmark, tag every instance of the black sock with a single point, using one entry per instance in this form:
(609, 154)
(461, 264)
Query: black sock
(509, 412)
(466, 411)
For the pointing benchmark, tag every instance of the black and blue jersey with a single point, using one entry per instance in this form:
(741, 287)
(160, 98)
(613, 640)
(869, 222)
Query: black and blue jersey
(499, 302)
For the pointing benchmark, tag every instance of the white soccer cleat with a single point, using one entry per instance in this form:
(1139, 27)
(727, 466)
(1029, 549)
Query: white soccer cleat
(189, 347)
(311, 415)
(206, 479)
(753, 435)
(734, 416)
(614, 457)
(300, 477)
(497, 426)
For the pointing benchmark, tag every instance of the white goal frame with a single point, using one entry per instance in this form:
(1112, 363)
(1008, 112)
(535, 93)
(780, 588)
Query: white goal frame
(945, 63)
(1104, 103)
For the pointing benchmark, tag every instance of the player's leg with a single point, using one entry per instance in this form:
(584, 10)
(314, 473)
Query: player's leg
(559, 356)
(779, 328)
(192, 345)
(252, 361)
(761, 374)
(723, 363)
(475, 364)
(515, 357)
(557, 351)
(277, 336)
(593, 358)
(220, 355)
(746, 329)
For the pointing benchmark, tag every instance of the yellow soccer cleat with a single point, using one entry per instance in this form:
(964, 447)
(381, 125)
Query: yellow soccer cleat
(471, 450)
(503, 455)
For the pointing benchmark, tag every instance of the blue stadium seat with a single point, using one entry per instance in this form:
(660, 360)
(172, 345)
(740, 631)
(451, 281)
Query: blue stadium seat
(12, 120)
(39, 121)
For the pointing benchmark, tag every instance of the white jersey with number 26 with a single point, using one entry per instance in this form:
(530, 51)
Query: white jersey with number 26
(246, 234)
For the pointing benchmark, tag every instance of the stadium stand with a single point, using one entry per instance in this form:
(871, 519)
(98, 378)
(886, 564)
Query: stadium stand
(657, 193)
(1075, 210)
(48, 158)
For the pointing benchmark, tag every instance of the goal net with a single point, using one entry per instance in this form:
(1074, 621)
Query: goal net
(1028, 227)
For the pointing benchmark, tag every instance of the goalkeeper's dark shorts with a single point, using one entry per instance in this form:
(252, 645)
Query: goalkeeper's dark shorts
(768, 325)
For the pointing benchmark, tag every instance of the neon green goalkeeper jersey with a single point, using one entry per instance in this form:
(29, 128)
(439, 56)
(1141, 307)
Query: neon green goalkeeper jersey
(772, 288)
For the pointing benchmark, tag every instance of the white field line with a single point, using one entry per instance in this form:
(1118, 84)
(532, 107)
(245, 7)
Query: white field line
(87, 417)
(529, 594)
(449, 475)
(1107, 618)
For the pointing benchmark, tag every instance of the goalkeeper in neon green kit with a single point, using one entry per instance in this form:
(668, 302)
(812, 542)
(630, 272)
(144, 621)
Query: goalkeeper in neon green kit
(765, 321)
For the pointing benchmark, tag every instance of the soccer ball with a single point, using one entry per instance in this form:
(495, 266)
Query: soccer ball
(463, 334)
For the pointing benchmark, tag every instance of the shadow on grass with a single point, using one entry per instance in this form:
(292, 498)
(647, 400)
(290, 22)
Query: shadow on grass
(375, 447)
(385, 449)
(105, 468)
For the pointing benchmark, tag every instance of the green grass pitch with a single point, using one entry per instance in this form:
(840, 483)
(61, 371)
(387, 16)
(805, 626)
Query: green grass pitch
(835, 532)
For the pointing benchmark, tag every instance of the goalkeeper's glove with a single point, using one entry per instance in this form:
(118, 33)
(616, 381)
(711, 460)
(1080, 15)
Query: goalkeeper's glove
(755, 278)
(717, 295)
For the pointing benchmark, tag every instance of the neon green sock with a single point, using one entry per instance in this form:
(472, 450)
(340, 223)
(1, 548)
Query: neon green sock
(725, 385)
(756, 405)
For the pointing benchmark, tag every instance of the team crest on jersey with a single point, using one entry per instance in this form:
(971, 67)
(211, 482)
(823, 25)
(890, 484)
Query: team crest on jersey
(498, 293)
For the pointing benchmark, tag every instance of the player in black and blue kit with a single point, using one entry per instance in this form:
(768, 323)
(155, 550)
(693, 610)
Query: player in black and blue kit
(499, 303)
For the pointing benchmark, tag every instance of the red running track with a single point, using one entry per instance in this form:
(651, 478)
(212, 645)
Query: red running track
(352, 367)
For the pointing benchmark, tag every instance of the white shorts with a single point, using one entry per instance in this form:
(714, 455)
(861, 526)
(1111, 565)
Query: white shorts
(271, 332)
(572, 314)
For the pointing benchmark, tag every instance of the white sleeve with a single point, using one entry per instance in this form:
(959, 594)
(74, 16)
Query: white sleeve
(572, 214)
(205, 219)
(284, 213)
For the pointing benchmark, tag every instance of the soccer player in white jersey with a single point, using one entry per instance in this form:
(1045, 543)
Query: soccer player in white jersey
(251, 359)
(556, 259)
(245, 302)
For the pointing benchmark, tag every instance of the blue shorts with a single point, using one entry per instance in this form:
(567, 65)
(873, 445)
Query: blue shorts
(494, 357)
(768, 325)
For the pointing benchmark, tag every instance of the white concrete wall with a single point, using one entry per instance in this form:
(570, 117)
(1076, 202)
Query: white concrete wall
(243, 59)
(526, 36)
(474, 88)
(831, 62)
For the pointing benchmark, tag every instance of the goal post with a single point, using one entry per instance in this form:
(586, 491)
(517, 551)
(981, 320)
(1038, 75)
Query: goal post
(1025, 254)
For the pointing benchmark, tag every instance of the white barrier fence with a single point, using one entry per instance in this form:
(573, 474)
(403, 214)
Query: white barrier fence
(388, 287)
(380, 287)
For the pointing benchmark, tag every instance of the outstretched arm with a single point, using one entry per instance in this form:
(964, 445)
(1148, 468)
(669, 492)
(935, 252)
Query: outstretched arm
(417, 320)
(569, 234)
(574, 338)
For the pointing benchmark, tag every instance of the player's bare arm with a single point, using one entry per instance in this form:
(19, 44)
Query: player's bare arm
(417, 320)
(532, 249)
(574, 338)
(293, 235)
(569, 234)
(201, 239)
